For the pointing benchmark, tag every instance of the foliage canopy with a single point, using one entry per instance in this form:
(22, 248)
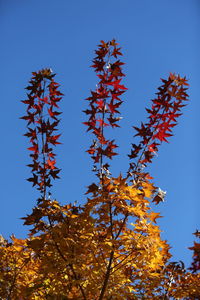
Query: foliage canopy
(109, 247)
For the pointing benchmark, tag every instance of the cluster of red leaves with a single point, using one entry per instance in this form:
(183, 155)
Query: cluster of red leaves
(42, 121)
(195, 266)
(105, 101)
(163, 116)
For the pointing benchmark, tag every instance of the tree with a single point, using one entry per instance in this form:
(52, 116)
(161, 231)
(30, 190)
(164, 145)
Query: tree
(109, 247)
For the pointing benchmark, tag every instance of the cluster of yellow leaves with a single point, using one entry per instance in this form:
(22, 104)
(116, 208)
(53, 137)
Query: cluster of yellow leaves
(108, 249)
(18, 269)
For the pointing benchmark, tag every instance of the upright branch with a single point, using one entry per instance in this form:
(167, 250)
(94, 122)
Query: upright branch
(163, 114)
(42, 121)
(104, 103)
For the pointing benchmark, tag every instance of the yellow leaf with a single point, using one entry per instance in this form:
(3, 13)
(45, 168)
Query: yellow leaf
(153, 216)
(149, 189)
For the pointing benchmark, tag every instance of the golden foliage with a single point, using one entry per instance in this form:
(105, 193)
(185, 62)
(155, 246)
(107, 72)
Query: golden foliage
(69, 256)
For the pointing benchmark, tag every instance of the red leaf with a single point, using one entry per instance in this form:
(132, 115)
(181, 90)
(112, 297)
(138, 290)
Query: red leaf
(53, 113)
(161, 135)
(33, 179)
(54, 173)
(116, 85)
(51, 164)
(116, 52)
(45, 99)
(113, 107)
(30, 118)
(31, 133)
(34, 148)
(53, 139)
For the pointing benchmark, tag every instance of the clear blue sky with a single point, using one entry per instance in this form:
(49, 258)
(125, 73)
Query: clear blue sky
(157, 37)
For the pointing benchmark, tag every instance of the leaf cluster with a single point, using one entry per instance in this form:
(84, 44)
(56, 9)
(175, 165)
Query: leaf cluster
(110, 247)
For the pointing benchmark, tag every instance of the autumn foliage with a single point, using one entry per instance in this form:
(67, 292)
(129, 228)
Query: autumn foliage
(108, 247)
